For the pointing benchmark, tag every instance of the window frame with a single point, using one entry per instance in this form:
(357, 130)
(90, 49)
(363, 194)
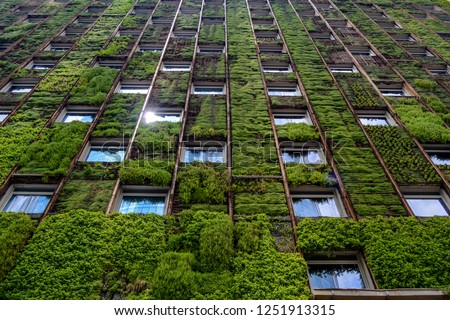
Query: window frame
(429, 194)
(275, 67)
(138, 86)
(27, 189)
(100, 143)
(204, 147)
(284, 90)
(376, 114)
(339, 259)
(305, 148)
(141, 191)
(316, 193)
(444, 148)
(87, 110)
(343, 68)
(176, 66)
(205, 85)
(291, 115)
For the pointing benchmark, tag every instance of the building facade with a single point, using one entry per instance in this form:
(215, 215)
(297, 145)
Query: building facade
(218, 141)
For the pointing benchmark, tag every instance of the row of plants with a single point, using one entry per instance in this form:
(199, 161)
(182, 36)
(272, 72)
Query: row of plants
(359, 169)
(31, 118)
(401, 155)
(411, 71)
(196, 255)
(394, 248)
(209, 119)
(12, 59)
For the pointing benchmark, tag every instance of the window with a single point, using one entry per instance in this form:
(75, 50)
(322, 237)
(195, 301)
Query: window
(287, 90)
(343, 68)
(203, 154)
(134, 87)
(428, 205)
(58, 47)
(317, 204)
(100, 154)
(344, 272)
(3, 115)
(151, 47)
(420, 52)
(77, 113)
(210, 49)
(176, 66)
(184, 34)
(261, 34)
(282, 119)
(276, 67)
(114, 64)
(142, 204)
(169, 116)
(376, 119)
(208, 88)
(19, 86)
(311, 155)
(41, 64)
(104, 151)
(270, 48)
(31, 199)
(362, 51)
(439, 70)
(393, 90)
(263, 22)
(440, 157)
(322, 36)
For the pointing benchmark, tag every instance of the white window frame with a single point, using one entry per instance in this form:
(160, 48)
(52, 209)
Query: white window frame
(46, 64)
(176, 66)
(319, 150)
(339, 260)
(303, 114)
(59, 47)
(275, 67)
(133, 88)
(107, 144)
(389, 119)
(212, 86)
(284, 91)
(215, 148)
(444, 71)
(321, 194)
(430, 195)
(141, 191)
(344, 68)
(213, 49)
(28, 86)
(82, 110)
(27, 189)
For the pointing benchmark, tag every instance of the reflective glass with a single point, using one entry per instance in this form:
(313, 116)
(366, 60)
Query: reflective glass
(3, 116)
(344, 276)
(78, 117)
(428, 207)
(316, 207)
(100, 155)
(374, 121)
(285, 120)
(440, 158)
(27, 203)
(305, 157)
(203, 156)
(143, 205)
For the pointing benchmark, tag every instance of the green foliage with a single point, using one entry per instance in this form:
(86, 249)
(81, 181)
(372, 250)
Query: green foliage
(401, 156)
(394, 247)
(211, 121)
(120, 116)
(85, 194)
(55, 149)
(216, 246)
(300, 174)
(15, 230)
(117, 46)
(301, 132)
(425, 126)
(142, 65)
(155, 173)
(157, 140)
(93, 86)
(202, 183)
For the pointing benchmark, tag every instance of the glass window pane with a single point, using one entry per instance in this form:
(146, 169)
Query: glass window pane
(205, 90)
(78, 117)
(285, 120)
(27, 203)
(99, 155)
(143, 205)
(3, 116)
(192, 155)
(20, 89)
(428, 207)
(305, 157)
(214, 156)
(374, 121)
(316, 207)
(133, 90)
(440, 158)
(331, 276)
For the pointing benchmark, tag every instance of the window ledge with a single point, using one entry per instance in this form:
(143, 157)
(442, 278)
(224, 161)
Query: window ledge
(370, 294)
